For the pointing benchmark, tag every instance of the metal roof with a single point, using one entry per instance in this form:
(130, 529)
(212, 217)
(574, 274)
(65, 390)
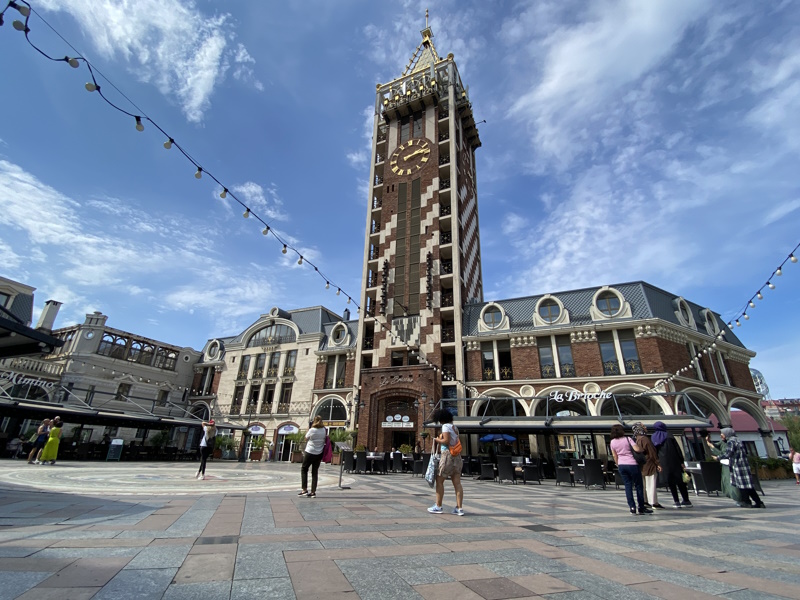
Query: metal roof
(352, 329)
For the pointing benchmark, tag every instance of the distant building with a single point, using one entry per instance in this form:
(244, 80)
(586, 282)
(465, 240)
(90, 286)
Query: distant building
(777, 409)
(749, 433)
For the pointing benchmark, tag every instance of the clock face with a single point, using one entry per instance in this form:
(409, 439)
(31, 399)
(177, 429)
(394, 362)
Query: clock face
(410, 157)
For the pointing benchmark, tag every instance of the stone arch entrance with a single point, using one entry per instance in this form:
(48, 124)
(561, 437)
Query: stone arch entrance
(393, 419)
(764, 426)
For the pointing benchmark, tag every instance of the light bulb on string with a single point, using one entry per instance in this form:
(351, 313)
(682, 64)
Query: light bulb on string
(771, 285)
(779, 272)
(746, 317)
(72, 62)
(23, 10)
(327, 285)
(168, 143)
(752, 304)
(759, 296)
(338, 291)
(738, 324)
(199, 173)
(19, 26)
(139, 126)
(266, 230)
(300, 260)
(793, 258)
(284, 249)
(224, 193)
(348, 299)
(246, 213)
(91, 87)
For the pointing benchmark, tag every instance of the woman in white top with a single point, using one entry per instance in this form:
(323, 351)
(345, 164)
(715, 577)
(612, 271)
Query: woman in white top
(206, 446)
(449, 465)
(315, 444)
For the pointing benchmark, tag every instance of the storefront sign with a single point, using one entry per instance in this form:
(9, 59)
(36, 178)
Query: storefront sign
(391, 379)
(397, 424)
(22, 379)
(288, 430)
(577, 396)
(256, 430)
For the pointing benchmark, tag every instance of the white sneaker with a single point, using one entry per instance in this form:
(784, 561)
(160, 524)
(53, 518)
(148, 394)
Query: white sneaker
(37, 462)
(458, 511)
(435, 509)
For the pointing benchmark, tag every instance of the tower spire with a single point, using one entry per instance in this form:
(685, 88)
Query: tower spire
(425, 55)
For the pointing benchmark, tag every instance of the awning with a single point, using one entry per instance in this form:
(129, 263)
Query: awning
(17, 339)
(569, 424)
(78, 414)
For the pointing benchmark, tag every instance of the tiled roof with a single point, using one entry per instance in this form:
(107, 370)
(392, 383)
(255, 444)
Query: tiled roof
(742, 422)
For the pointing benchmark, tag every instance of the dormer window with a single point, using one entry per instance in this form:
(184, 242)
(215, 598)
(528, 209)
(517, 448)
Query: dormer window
(608, 303)
(339, 334)
(492, 317)
(549, 311)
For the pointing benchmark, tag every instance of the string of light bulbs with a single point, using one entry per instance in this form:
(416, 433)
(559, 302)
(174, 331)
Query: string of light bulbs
(25, 9)
(736, 321)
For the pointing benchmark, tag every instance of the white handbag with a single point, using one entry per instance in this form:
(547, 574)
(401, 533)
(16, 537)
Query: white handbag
(433, 468)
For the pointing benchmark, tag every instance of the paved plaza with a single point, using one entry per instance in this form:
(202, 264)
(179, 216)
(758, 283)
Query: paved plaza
(138, 530)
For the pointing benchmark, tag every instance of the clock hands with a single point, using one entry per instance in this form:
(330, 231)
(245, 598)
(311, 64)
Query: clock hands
(420, 151)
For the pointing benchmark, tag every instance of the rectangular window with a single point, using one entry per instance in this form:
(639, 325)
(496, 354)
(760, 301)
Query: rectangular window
(258, 370)
(340, 364)
(123, 392)
(163, 396)
(330, 373)
(238, 396)
(398, 358)
(723, 371)
(608, 353)
(487, 361)
(417, 130)
(286, 399)
(90, 395)
(630, 355)
(291, 360)
(244, 367)
(504, 359)
(269, 397)
(255, 390)
(565, 362)
(208, 378)
(699, 369)
(546, 362)
(405, 131)
(274, 361)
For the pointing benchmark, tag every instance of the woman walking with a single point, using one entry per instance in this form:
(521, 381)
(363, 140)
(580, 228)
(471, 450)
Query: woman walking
(315, 444)
(41, 439)
(651, 468)
(622, 449)
(794, 456)
(671, 459)
(449, 464)
(740, 469)
(206, 446)
(50, 450)
(715, 449)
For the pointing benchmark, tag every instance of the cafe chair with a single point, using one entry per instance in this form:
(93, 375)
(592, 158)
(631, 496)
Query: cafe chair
(348, 461)
(487, 471)
(530, 472)
(361, 461)
(505, 469)
(563, 475)
(577, 469)
(593, 473)
(397, 462)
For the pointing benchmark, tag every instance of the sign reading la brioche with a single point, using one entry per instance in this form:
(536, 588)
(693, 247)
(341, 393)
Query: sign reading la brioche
(577, 396)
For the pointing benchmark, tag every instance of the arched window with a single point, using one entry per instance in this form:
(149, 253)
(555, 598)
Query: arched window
(492, 317)
(272, 334)
(608, 303)
(331, 410)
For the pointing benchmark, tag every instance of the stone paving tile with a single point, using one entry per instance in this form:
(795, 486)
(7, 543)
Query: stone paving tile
(276, 587)
(136, 584)
(176, 541)
(101, 543)
(446, 591)
(752, 595)
(38, 564)
(206, 567)
(499, 588)
(604, 588)
(511, 568)
(741, 581)
(670, 591)
(545, 584)
(317, 578)
(291, 556)
(259, 561)
(423, 575)
(466, 572)
(87, 572)
(40, 593)
(88, 552)
(159, 557)
(214, 549)
(14, 583)
(213, 590)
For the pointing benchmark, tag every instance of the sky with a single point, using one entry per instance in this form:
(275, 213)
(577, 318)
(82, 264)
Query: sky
(624, 141)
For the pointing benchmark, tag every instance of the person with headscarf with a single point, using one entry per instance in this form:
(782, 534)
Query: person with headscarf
(740, 469)
(671, 459)
(622, 450)
(715, 449)
(651, 468)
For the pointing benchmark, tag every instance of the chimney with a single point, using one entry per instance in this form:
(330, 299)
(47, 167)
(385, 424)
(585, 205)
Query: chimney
(346, 315)
(48, 316)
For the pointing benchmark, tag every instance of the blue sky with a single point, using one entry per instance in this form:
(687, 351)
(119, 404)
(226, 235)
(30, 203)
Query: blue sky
(624, 140)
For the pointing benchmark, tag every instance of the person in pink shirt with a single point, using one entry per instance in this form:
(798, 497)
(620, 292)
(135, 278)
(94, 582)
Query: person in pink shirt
(622, 448)
(794, 456)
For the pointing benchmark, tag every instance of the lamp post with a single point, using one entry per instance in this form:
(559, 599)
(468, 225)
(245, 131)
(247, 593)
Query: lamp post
(417, 404)
(246, 437)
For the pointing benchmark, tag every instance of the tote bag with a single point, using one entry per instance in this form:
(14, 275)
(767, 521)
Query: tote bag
(433, 468)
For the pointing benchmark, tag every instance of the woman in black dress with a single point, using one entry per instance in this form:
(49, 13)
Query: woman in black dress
(670, 458)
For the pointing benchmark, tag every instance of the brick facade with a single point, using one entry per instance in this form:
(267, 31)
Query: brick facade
(588, 362)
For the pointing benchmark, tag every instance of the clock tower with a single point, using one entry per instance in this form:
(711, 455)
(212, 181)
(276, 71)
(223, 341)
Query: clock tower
(421, 250)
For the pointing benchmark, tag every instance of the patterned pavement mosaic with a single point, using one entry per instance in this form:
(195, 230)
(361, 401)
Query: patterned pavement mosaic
(83, 530)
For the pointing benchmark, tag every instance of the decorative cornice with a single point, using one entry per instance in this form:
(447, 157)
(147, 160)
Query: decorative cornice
(583, 336)
(737, 355)
(521, 341)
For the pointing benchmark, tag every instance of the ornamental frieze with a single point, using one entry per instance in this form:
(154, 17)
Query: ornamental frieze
(520, 341)
(583, 336)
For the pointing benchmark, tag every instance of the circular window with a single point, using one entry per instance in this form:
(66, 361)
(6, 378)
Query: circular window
(549, 311)
(338, 334)
(213, 349)
(492, 317)
(186, 358)
(608, 303)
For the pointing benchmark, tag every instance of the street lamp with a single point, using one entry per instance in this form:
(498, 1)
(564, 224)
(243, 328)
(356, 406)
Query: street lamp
(417, 404)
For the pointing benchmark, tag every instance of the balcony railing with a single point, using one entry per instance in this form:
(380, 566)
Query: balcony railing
(283, 408)
(376, 227)
(369, 343)
(633, 366)
(241, 375)
(372, 281)
(379, 158)
(548, 371)
(447, 299)
(377, 202)
(611, 367)
(258, 373)
(382, 135)
(443, 160)
(236, 408)
(374, 253)
(378, 180)
(444, 184)
(447, 267)
(288, 372)
(567, 369)
(444, 210)
(488, 374)
(448, 334)
(506, 373)
(32, 365)
(446, 237)
(443, 114)
(444, 136)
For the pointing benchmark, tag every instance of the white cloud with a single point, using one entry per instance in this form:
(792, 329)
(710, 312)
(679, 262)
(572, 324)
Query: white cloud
(170, 43)
(266, 202)
(780, 211)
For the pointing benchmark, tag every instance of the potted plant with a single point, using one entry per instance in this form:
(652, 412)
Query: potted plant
(405, 449)
(257, 448)
(226, 447)
(298, 440)
(338, 435)
(360, 448)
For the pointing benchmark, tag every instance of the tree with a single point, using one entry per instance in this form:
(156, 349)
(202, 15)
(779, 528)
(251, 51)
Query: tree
(792, 423)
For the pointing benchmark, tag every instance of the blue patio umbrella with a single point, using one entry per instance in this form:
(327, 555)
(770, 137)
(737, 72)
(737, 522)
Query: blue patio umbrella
(498, 437)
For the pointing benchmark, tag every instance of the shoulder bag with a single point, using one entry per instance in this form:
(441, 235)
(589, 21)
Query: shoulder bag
(433, 469)
(639, 457)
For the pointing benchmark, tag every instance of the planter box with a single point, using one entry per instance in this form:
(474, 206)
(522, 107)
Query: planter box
(297, 457)
(256, 454)
(765, 473)
(337, 459)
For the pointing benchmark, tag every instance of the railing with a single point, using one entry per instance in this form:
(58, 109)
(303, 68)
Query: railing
(241, 375)
(288, 372)
(611, 367)
(506, 374)
(548, 371)
(443, 160)
(374, 253)
(266, 408)
(377, 202)
(444, 136)
(447, 299)
(379, 158)
(369, 343)
(567, 369)
(258, 373)
(444, 210)
(381, 136)
(378, 180)
(376, 228)
(236, 407)
(447, 267)
(488, 374)
(446, 237)
(372, 281)
(32, 365)
(448, 373)
(443, 114)
(448, 334)
(633, 366)
(444, 184)
(272, 372)
(283, 408)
